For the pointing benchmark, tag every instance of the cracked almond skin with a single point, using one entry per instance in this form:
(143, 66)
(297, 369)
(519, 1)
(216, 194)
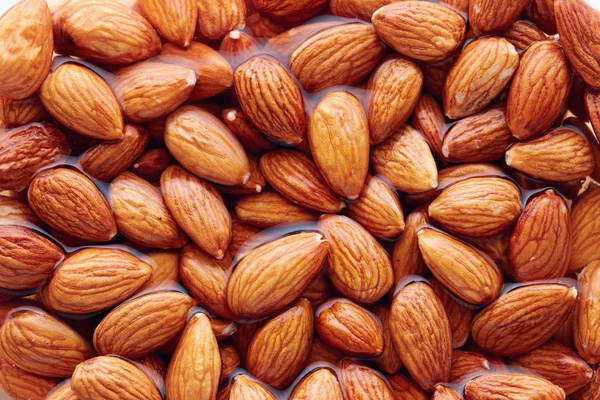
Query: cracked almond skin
(151, 164)
(349, 329)
(482, 206)
(422, 335)
(271, 99)
(280, 349)
(487, 17)
(295, 176)
(267, 209)
(141, 213)
(394, 88)
(404, 388)
(523, 318)
(15, 212)
(26, 32)
(203, 145)
(539, 90)
(561, 155)
(466, 364)
(195, 367)
(540, 244)
(586, 327)
(388, 361)
(174, 20)
(523, 34)
(591, 391)
(89, 218)
(585, 220)
(406, 256)
(360, 382)
(483, 137)
(421, 31)
(198, 209)
(273, 275)
(459, 315)
(469, 274)
(512, 386)
(254, 142)
(247, 388)
(357, 265)
(20, 385)
(94, 279)
(81, 100)
(14, 113)
(480, 73)
(318, 384)
(42, 344)
(342, 55)
(142, 325)
(85, 29)
(428, 118)
(112, 378)
(405, 160)
(216, 18)
(559, 364)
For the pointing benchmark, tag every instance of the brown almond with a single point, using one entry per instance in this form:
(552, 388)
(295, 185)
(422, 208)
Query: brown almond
(268, 209)
(14, 113)
(15, 212)
(238, 46)
(165, 267)
(174, 20)
(523, 34)
(230, 360)
(361, 382)
(253, 141)
(466, 364)
(435, 76)
(589, 391)
(321, 352)
(286, 42)
(587, 314)
(487, 16)
(428, 118)
(510, 386)
(256, 181)
(406, 257)
(241, 235)
(290, 10)
(541, 12)
(151, 164)
(404, 388)
(362, 9)
(388, 361)
(442, 392)
(318, 291)
(459, 314)
(216, 18)
(320, 383)
(586, 229)
(21, 385)
(244, 387)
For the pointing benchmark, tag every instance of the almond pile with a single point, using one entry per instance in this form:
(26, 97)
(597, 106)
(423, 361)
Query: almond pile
(300, 199)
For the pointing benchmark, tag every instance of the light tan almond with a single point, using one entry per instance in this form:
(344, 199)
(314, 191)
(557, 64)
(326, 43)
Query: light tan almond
(404, 388)
(256, 181)
(406, 257)
(20, 385)
(14, 113)
(174, 20)
(246, 388)
(459, 314)
(587, 315)
(361, 382)
(318, 384)
(428, 118)
(216, 18)
(15, 212)
(268, 209)
(512, 386)
(487, 16)
(165, 267)
(586, 229)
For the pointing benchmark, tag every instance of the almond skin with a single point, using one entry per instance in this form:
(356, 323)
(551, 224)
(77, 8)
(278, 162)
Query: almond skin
(586, 230)
(523, 34)
(466, 364)
(424, 32)
(487, 16)
(540, 244)
(592, 107)
(205, 147)
(321, 352)
(198, 209)
(15, 212)
(26, 32)
(361, 382)
(238, 46)
(404, 388)
(477, 206)
(541, 12)
(290, 10)
(428, 118)
(230, 360)
(362, 9)
(165, 267)
(523, 318)
(174, 20)
(25, 150)
(280, 349)
(28, 341)
(342, 55)
(496, 385)
(90, 219)
(195, 367)
(151, 164)
(422, 335)
(459, 314)
(349, 329)
(254, 142)
(320, 383)
(82, 101)
(539, 90)
(406, 257)
(388, 361)
(480, 73)
(268, 209)
(405, 160)
(339, 142)
(142, 215)
(587, 315)
(273, 275)
(244, 387)
(591, 390)
(21, 385)
(112, 378)
(216, 18)
(357, 264)
(14, 113)
(444, 393)
(95, 279)
(394, 92)
(264, 89)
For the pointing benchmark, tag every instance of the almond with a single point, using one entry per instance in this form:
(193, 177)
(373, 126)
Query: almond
(406, 258)
(561, 155)
(268, 209)
(29, 338)
(591, 390)
(522, 34)
(592, 107)
(358, 266)
(388, 361)
(435, 75)
(90, 218)
(424, 32)
(406, 161)
(26, 55)
(14, 113)
(165, 267)
(429, 119)
(540, 244)
(339, 142)
(230, 360)
(151, 164)
(82, 101)
(586, 229)
(320, 383)
(318, 291)
(362, 9)
(467, 364)
(587, 314)
(512, 386)
(273, 275)
(404, 388)
(280, 349)
(204, 146)
(487, 16)
(361, 382)
(321, 352)
(444, 393)
(174, 20)
(142, 325)
(216, 18)
(290, 10)
(86, 29)
(480, 73)
(253, 141)
(256, 181)
(15, 212)
(244, 387)
(523, 318)
(195, 367)
(342, 55)
(297, 178)
(241, 234)
(422, 335)
(21, 385)
(286, 42)
(459, 314)
(541, 12)
(238, 46)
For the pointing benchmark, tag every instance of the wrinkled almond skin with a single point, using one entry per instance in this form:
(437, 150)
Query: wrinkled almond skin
(195, 367)
(488, 16)
(216, 18)
(523, 318)
(271, 276)
(444, 393)
(394, 88)
(230, 360)
(523, 34)
(586, 230)
(174, 20)
(424, 32)
(95, 279)
(459, 314)
(89, 219)
(540, 244)
(466, 364)
(279, 349)
(254, 142)
(428, 118)
(422, 335)
(541, 12)
(151, 164)
(14, 113)
(362, 9)
(238, 46)
(268, 209)
(321, 384)
(404, 388)
(389, 361)
(290, 10)
(512, 386)
(361, 382)
(142, 325)
(246, 388)
(480, 73)
(406, 257)
(15, 212)
(112, 378)
(322, 352)
(592, 107)
(165, 266)
(591, 390)
(357, 264)
(586, 327)
(342, 55)
(20, 385)
(339, 142)
(42, 344)
(82, 101)
(286, 42)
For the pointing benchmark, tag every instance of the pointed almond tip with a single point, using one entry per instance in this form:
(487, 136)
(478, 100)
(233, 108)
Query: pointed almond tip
(434, 183)
(231, 115)
(234, 34)
(246, 178)
(353, 197)
(342, 206)
(319, 238)
(191, 78)
(219, 254)
(258, 188)
(445, 151)
(573, 292)
(508, 158)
